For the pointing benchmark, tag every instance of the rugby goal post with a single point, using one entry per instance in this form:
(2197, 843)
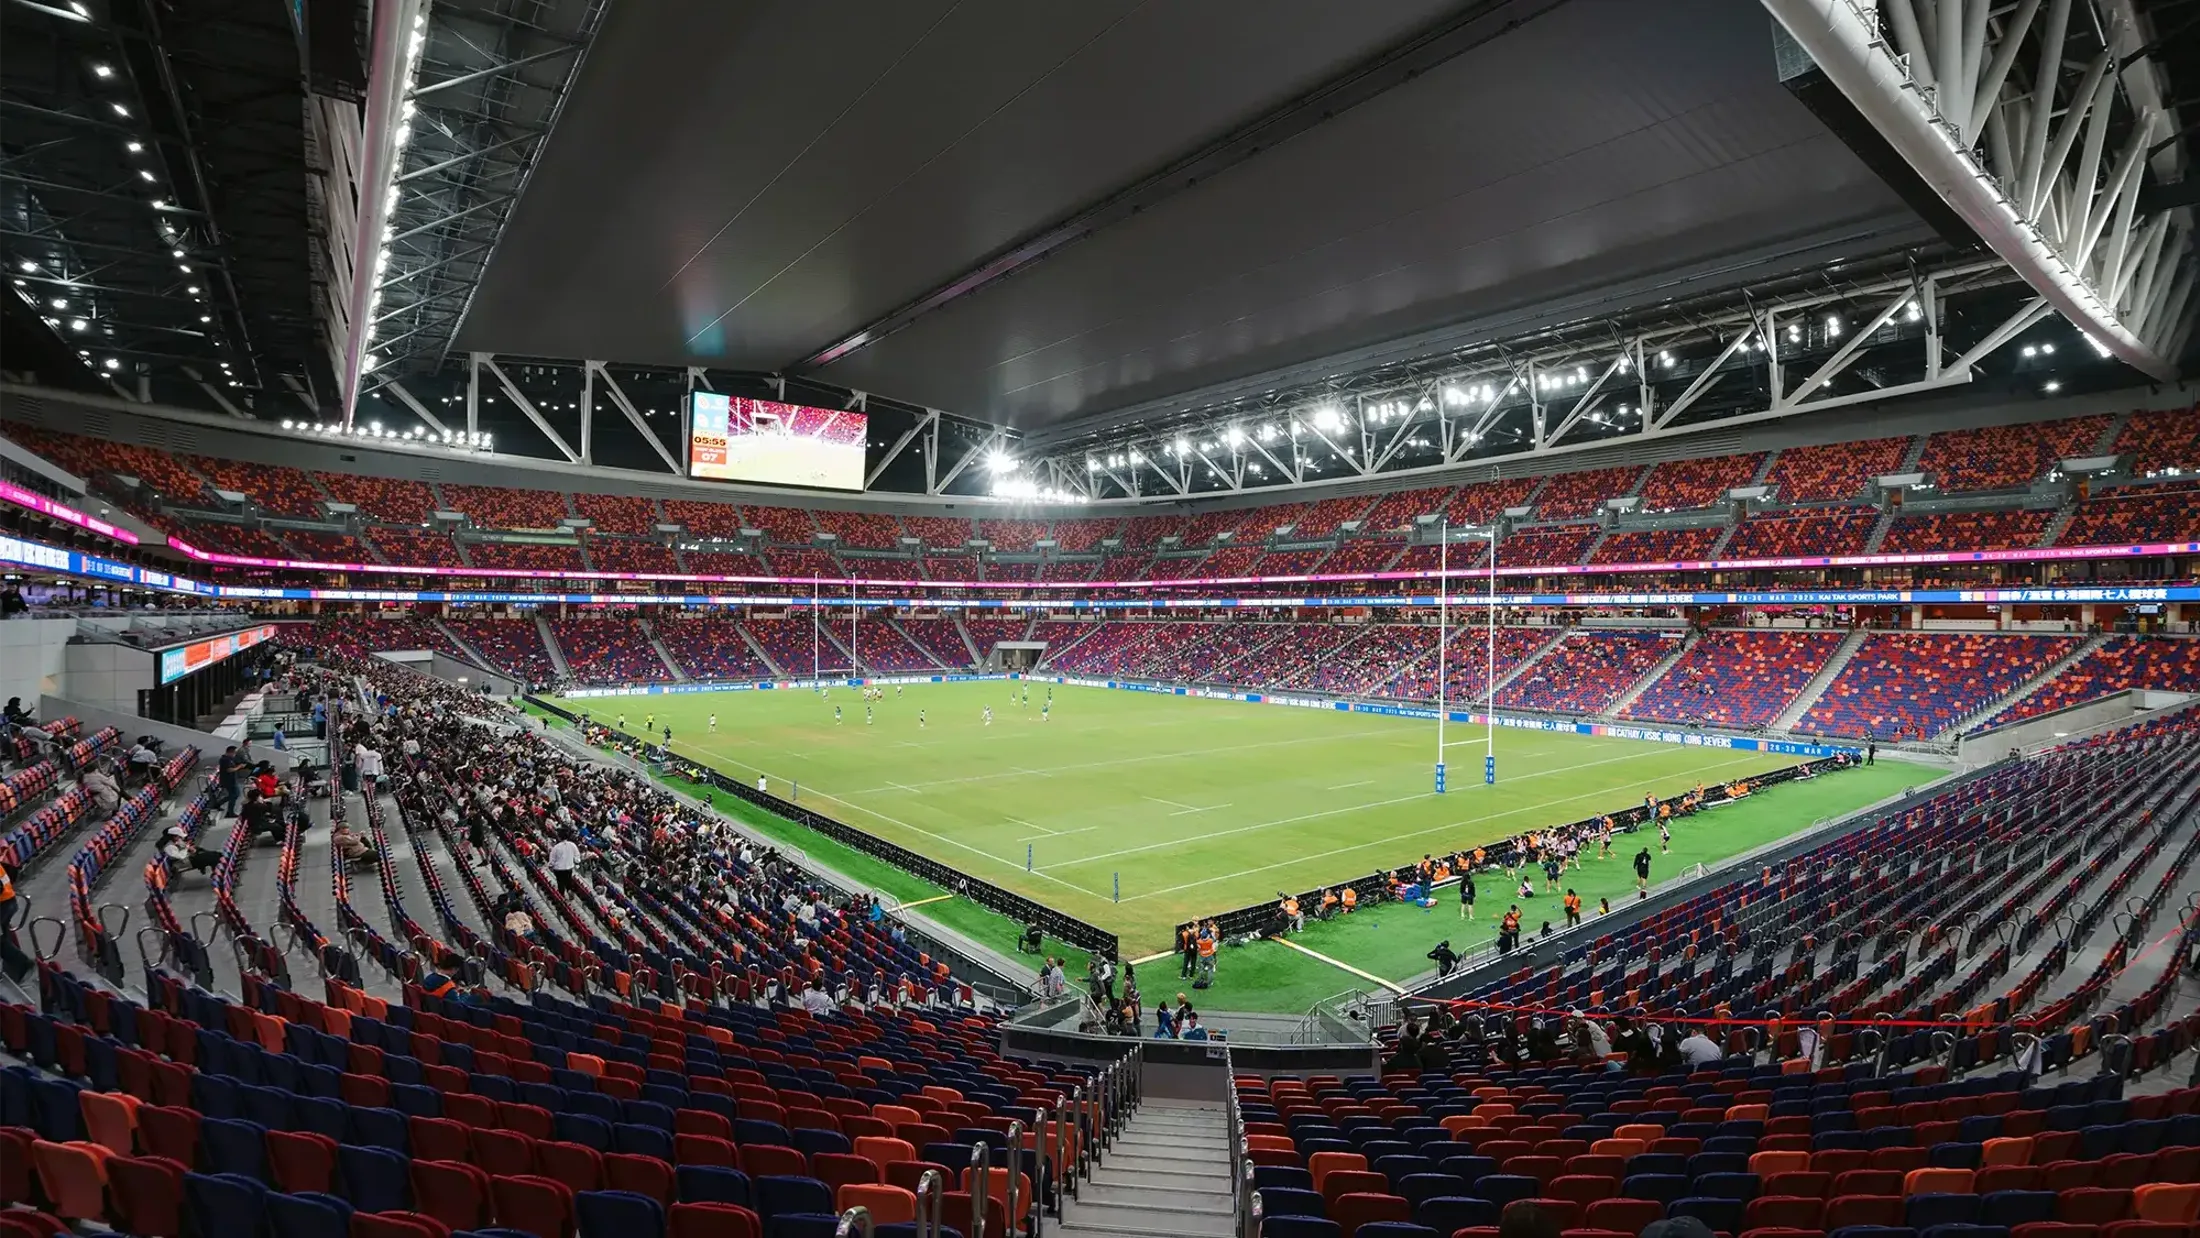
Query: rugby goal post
(1487, 741)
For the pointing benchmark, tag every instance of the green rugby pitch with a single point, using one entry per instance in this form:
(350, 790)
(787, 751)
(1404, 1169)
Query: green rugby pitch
(1199, 806)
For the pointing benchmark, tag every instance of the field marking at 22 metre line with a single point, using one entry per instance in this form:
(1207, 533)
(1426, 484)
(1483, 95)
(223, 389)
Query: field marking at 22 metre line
(1331, 812)
(1395, 838)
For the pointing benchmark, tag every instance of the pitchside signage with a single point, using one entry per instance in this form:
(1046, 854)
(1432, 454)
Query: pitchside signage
(1692, 739)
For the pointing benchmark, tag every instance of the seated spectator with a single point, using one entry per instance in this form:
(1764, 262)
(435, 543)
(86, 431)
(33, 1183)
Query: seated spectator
(180, 854)
(261, 815)
(353, 848)
(144, 761)
(106, 793)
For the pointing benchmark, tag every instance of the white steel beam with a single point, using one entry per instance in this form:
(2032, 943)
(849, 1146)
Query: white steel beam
(927, 424)
(419, 410)
(592, 370)
(527, 408)
(1933, 131)
(396, 34)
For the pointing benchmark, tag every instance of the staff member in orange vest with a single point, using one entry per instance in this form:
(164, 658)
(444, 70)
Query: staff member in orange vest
(1207, 943)
(17, 963)
(1573, 909)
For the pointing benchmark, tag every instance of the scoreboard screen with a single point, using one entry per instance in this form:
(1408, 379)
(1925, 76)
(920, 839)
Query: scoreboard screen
(731, 438)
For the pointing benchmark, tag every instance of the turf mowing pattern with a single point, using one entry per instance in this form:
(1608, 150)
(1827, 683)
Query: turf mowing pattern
(1202, 805)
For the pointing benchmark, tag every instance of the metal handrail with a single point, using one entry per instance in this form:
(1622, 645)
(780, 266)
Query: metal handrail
(1016, 1202)
(930, 1185)
(855, 1221)
(981, 1163)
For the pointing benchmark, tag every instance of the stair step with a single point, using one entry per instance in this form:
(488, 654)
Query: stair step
(1148, 1121)
(1128, 1218)
(1156, 1195)
(1132, 1160)
(1171, 1146)
(1113, 1172)
(1140, 1227)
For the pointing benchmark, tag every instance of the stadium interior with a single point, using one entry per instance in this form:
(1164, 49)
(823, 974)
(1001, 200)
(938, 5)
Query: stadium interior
(662, 621)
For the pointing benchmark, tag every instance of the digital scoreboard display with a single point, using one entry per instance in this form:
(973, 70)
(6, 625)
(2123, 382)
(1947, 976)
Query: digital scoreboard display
(731, 438)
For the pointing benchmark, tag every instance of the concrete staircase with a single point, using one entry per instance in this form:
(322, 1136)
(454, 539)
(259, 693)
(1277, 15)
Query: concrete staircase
(757, 647)
(1166, 1176)
(1817, 685)
(1914, 456)
(1505, 680)
(550, 645)
(977, 656)
(2046, 676)
(2106, 444)
(464, 646)
(2059, 522)
(664, 655)
(1878, 536)
(1665, 664)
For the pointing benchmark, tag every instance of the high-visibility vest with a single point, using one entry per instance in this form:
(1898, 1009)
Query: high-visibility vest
(1206, 947)
(7, 886)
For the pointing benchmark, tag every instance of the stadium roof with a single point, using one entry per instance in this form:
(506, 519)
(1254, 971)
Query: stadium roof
(1033, 215)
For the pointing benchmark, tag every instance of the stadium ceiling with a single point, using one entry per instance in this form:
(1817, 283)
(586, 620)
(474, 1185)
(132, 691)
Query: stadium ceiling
(467, 93)
(154, 214)
(1032, 215)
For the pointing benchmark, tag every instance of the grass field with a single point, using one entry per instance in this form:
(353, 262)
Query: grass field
(1199, 805)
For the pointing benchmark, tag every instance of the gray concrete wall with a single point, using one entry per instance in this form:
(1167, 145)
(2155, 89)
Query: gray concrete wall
(444, 667)
(104, 675)
(2064, 725)
(33, 656)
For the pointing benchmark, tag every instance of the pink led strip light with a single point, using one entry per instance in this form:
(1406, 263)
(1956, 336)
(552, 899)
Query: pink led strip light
(2025, 555)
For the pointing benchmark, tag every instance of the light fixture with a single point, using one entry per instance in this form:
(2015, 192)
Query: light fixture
(61, 303)
(206, 318)
(147, 177)
(113, 364)
(28, 265)
(119, 109)
(103, 71)
(134, 147)
(193, 290)
(78, 324)
(2052, 386)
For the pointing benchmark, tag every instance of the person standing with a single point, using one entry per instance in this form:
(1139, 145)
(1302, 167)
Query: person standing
(565, 858)
(227, 770)
(1573, 908)
(368, 759)
(1642, 873)
(1508, 929)
(1187, 949)
(1466, 895)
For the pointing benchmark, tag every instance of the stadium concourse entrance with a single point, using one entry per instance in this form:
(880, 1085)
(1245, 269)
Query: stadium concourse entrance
(1015, 655)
